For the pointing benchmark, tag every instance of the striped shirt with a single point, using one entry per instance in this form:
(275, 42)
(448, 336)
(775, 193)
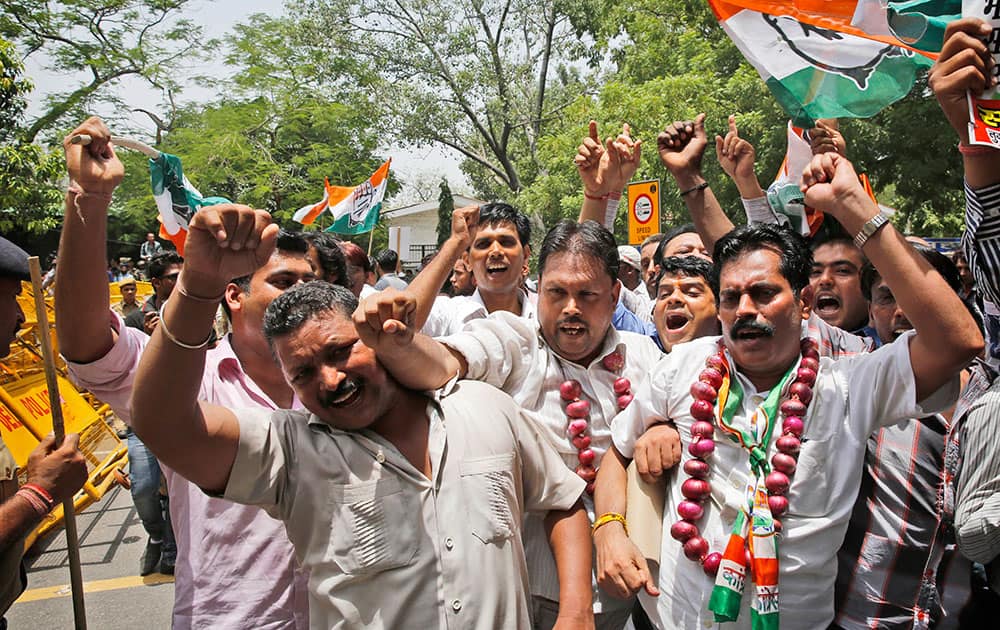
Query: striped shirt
(977, 478)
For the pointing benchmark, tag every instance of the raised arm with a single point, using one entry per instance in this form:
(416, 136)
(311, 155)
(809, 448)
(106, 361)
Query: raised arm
(81, 293)
(198, 440)
(605, 169)
(681, 147)
(737, 157)
(425, 286)
(385, 323)
(947, 337)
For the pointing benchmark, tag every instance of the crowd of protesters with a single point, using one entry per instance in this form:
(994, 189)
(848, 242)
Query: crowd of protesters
(813, 413)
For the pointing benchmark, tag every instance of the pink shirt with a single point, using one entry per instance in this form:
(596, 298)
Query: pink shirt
(235, 566)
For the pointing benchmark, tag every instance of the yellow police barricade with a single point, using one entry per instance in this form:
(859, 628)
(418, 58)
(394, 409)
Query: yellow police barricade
(26, 418)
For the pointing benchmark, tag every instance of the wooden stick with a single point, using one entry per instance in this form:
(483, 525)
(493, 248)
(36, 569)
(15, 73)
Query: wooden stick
(59, 429)
(128, 143)
(371, 237)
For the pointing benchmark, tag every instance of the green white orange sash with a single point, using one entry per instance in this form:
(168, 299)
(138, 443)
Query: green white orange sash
(753, 529)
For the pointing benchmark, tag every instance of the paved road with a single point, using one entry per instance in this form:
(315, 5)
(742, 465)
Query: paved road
(111, 543)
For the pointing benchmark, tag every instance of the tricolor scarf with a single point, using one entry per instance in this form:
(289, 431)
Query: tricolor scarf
(754, 525)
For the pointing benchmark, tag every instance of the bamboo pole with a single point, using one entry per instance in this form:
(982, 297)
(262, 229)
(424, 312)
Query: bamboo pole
(59, 429)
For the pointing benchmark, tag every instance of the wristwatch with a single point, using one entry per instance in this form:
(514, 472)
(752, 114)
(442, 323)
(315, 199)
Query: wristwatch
(870, 228)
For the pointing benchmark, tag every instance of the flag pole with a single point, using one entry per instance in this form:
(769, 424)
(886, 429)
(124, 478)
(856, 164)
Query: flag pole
(59, 430)
(371, 237)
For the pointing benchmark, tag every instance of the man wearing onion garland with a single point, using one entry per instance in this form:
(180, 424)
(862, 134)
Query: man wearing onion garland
(774, 435)
(570, 371)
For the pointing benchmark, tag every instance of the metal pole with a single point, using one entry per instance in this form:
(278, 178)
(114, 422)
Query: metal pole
(58, 428)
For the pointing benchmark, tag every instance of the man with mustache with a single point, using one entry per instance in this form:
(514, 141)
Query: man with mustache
(235, 566)
(779, 429)
(571, 372)
(404, 506)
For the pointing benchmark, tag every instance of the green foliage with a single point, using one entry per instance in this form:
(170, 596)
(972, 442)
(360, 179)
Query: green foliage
(446, 206)
(100, 42)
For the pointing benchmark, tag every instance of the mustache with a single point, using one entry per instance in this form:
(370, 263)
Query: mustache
(347, 386)
(571, 320)
(742, 325)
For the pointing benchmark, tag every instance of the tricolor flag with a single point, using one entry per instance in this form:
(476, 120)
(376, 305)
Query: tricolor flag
(355, 210)
(816, 72)
(915, 24)
(176, 198)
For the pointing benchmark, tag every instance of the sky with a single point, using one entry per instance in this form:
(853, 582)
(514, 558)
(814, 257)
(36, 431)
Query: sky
(218, 17)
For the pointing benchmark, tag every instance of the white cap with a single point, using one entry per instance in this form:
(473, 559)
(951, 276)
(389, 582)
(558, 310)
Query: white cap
(630, 256)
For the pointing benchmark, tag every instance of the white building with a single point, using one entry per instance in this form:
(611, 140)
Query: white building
(413, 228)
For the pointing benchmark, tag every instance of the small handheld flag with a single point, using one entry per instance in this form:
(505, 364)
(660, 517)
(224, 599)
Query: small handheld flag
(355, 209)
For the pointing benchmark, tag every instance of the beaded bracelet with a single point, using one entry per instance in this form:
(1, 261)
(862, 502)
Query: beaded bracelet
(609, 517)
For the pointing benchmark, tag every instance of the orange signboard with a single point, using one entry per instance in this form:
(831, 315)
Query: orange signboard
(643, 210)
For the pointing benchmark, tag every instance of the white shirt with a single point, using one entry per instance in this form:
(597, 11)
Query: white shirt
(638, 301)
(387, 547)
(508, 352)
(449, 315)
(852, 397)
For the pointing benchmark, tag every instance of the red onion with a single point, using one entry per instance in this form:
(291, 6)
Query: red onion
(570, 390)
(581, 442)
(614, 362)
(793, 425)
(703, 391)
(576, 427)
(778, 505)
(695, 488)
(578, 409)
(802, 391)
(793, 408)
(805, 375)
(697, 468)
(711, 376)
(711, 563)
(690, 511)
(784, 463)
(587, 456)
(587, 473)
(683, 530)
(695, 548)
(702, 410)
(622, 386)
(624, 400)
(777, 483)
(702, 448)
(809, 363)
(788, 444)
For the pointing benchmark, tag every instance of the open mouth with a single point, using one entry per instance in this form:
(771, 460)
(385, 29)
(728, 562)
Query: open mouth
(899, 330)
(676, 321)
(827, 304)
(572, 330)
(348, 393)
(496, 269)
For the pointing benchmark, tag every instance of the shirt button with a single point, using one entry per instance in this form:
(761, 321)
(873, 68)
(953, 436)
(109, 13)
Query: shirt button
(449, 543)
(456, 605)
(380, 457)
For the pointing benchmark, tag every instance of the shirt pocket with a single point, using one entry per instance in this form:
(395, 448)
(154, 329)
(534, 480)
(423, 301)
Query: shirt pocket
(809, 494)
(362, 514)
(488, 483)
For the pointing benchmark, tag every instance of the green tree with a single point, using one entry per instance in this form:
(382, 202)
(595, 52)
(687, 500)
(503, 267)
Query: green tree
(96, 43)
(446, 206)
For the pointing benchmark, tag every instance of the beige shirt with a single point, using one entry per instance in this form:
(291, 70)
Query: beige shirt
(509, 352)
(389, 548)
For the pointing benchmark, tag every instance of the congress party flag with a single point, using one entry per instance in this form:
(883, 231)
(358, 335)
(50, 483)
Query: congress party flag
(355, 209)
(817, 72)
(915, 24)
(176, 198)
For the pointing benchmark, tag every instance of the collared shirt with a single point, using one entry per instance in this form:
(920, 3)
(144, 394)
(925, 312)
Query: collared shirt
(386, 546)
(235, 566)
(638, 301)
(851, 398)
(509, 352)
(449, 315)
(390, 280)
(981, 246)
(124, 309)
(888, 576)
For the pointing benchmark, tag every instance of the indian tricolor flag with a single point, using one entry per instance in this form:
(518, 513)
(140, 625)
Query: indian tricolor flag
(816, 72)
(355, 209)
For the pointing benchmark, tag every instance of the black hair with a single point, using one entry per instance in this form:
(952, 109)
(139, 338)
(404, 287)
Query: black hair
(688, 266)
(590, 238)
(497, 212)
(158, 264)
(837, 236)
(687, 228)
(796, 258)
(387, 260)
(941, 263)
(296, 306)
(333, 265)
(290, 242)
